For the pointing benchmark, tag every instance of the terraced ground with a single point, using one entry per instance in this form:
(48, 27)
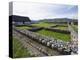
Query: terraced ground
(75, 27)
(61, 27)
(43, 24)
(57, 35)
(19, 50)
(23, 27)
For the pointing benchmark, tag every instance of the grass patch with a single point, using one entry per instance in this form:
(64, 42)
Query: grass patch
(75, 27)
(43, 24)
(61, 27)
(18, 50)
(57, 35)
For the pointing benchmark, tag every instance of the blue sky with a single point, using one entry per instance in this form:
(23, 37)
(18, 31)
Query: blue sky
(38, 11)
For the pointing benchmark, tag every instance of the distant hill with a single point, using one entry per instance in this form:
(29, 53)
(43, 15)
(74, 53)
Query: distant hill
(59, 20)
(17, 18)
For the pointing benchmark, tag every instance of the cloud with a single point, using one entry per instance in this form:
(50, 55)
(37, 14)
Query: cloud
(44, 10)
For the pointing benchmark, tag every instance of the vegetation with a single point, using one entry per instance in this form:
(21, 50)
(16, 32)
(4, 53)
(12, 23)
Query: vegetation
(61, 27)
(57, 35)
(19, 50)
(75, 27)
(23, 27)
(43, 24)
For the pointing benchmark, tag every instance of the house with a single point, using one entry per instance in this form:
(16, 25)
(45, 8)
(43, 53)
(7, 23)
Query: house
(19, 20)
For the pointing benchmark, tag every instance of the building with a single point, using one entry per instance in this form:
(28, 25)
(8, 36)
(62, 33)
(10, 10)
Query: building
(19, 20)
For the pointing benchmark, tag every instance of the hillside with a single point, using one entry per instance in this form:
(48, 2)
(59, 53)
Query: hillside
(59, 20)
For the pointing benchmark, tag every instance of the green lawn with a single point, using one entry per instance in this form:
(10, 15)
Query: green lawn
(57, 35)
(18, 50)
(43, 24)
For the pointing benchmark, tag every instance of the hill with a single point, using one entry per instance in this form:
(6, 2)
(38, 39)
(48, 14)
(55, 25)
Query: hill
(59, 20)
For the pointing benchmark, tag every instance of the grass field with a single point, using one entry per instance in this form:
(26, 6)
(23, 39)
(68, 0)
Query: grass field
(64, 37)
(18, 50)
(43, 24)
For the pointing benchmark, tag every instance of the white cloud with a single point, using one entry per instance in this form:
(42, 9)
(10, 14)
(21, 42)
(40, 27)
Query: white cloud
(40, 11)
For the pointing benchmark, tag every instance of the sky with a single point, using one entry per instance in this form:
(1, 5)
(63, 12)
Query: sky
(36, 11)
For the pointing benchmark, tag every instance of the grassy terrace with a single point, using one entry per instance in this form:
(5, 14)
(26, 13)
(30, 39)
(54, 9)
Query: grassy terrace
(43, 24)
(61, 27)
(23, 27)
(75, 27)
(19, 50)
(64, 37)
